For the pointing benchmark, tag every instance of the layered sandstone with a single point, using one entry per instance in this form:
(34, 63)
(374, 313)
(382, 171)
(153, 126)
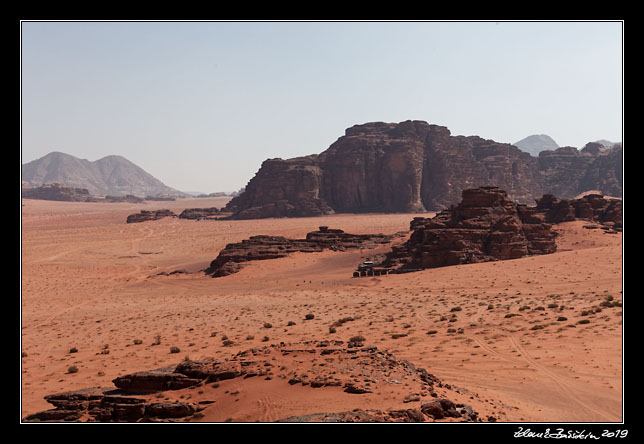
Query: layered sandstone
(485, 226)
(262, 247)
(593, 207)
(199, 213)
(414, 167)
(146, 215)
(353, 367)
(57, 191)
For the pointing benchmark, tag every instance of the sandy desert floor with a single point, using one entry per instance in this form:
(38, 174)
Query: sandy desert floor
(505, 335)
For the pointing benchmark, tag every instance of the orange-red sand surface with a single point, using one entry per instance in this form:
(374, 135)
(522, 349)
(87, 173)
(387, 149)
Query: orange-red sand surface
(504, 335)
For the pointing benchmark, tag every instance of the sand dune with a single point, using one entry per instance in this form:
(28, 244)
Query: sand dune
(506, 336)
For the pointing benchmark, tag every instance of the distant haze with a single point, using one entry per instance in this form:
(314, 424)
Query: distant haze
(536, 143)
(200, 105)
(109, 176)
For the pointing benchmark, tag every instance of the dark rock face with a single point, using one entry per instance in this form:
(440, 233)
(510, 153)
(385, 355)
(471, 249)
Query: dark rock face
(199, 213)
(282, 188)
(485, 226)
(414, 167)
(264, 247)
(56, 191)
(593, 207)
(146, 215)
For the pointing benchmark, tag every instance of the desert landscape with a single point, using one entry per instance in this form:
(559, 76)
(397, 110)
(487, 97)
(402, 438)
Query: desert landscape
(533, 339)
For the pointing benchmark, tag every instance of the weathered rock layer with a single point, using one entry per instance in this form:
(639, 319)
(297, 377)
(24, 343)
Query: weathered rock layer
(262, 247)
(485, 226)
(414, 167)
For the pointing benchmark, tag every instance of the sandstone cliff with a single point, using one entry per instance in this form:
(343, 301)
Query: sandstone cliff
(484, 226)
(415, 167)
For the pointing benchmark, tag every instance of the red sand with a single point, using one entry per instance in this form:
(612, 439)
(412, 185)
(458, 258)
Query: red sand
(90, 281)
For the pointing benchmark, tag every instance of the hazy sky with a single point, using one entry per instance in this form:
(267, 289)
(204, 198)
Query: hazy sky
(200, 105)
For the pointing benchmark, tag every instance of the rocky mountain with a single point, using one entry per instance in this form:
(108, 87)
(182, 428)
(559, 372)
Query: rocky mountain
(536, 143)
(111, 175)
(415, 167)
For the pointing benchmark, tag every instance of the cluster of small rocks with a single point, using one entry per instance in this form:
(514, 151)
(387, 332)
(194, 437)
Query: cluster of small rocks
(357, 368)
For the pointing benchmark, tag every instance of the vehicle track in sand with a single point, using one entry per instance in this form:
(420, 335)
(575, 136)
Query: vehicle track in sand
(571, 389)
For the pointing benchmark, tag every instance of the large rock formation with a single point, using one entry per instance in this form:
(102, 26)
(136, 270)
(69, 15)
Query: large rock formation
(414, 167)
(485, 226)
(263, 247)
(592, 207)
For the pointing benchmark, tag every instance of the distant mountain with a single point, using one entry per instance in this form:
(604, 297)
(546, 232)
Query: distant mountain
(109, 176)
(605, 142)
(536, 143)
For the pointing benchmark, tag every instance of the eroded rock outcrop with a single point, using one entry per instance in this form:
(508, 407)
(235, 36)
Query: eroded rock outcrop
(414, 167)
(146, 215)
(592, 207)
(199, 213)
(313, 365)
(485, 226)
(59, 192)
(263, 247)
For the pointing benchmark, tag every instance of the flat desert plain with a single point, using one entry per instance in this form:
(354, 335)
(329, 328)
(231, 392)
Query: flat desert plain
(506, 336)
